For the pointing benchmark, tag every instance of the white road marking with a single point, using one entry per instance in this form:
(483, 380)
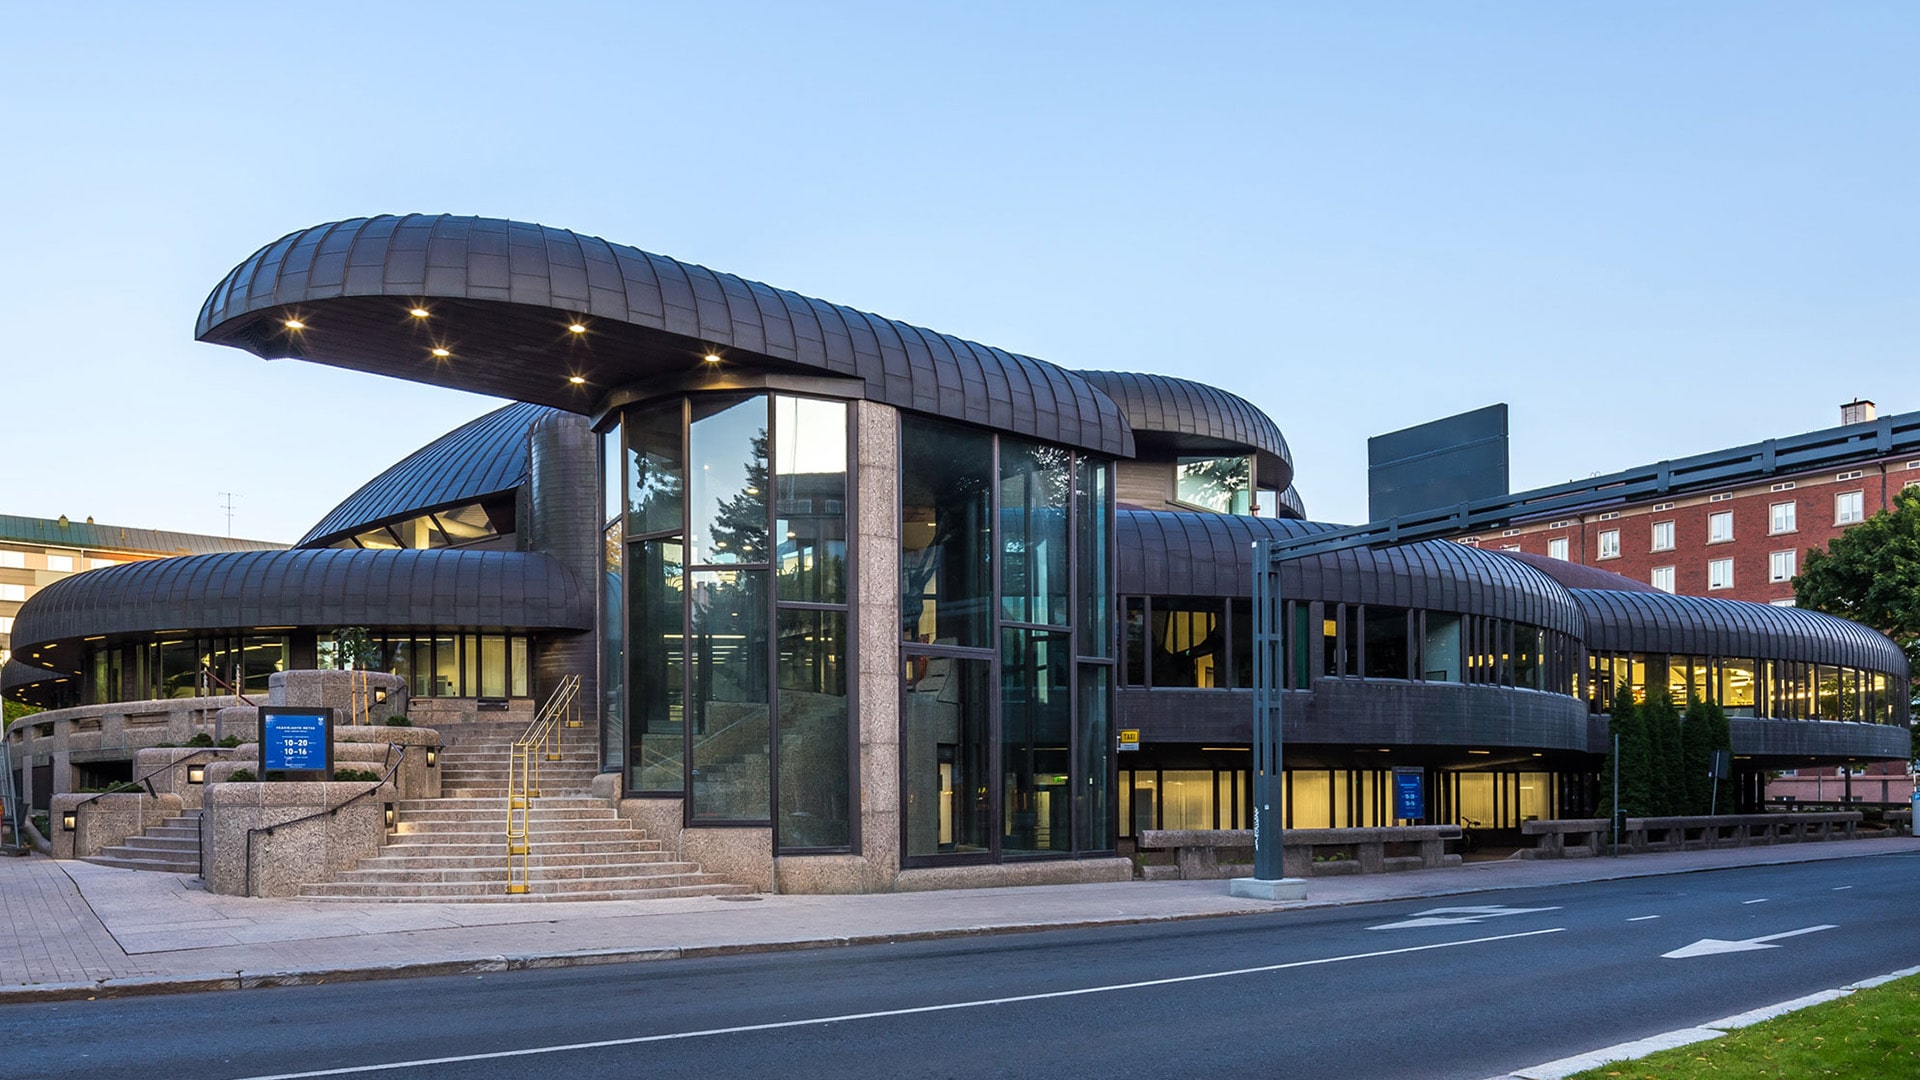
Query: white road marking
(1715, 946)
(1838, 888)
(1762, 900)
(1642, 918)
(636, 1040)
(1458, 916)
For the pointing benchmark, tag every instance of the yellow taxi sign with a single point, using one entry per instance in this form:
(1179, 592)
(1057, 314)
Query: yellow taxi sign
(1129, 738)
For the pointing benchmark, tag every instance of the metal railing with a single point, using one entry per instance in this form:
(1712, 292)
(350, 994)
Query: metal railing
(541, 742)
(396, 756)
(13, 809)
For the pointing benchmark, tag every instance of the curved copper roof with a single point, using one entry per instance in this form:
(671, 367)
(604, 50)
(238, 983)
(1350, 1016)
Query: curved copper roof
(501, 295)
(1658, 622)
(485, 456)
(318, 588)
(1575, 575)
(1188, 416)
(1164, 553)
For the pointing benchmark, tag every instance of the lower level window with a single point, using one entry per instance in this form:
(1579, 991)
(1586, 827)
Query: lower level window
(1720, 574)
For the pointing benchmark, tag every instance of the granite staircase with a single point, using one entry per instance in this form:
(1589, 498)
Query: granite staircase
(171, 846)
(454, 850)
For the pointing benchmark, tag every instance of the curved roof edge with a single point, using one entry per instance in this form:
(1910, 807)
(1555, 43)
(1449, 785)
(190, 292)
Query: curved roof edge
(502, 294)
(312, 587)
(1660, 622)
(484, 456)
(1182, 410)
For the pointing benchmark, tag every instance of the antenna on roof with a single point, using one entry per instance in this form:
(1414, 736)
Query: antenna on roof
(228, 505)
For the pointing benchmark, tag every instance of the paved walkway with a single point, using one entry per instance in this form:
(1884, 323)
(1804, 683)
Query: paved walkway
(73, 929)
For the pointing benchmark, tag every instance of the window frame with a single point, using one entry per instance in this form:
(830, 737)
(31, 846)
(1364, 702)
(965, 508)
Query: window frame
(1714, 566)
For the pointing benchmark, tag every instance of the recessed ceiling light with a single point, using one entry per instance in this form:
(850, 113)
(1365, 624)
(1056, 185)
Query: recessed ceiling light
(419, 312)
(441, 353)
(576, 328)
(713, 358)
(575, 380)
(295, 324)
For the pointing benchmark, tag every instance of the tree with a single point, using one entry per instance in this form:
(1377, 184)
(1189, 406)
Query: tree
(1635, 764)
(1705, 730)
(1666, 783)
(13, 710)
(1871, 574)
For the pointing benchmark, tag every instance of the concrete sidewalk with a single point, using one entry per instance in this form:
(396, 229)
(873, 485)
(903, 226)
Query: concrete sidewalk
(76, 930)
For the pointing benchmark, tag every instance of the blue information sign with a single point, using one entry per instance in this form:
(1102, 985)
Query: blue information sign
(296, 740)
(1410, 794)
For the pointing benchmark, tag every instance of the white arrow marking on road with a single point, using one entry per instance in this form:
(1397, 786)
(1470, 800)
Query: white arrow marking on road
(1458, 916)
(1714, 946)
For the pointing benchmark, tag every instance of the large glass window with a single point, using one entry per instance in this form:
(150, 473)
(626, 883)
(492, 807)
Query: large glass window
(815, 796)
(810, 518)
(1189, 642)
(1034, 489)
(947, 716)
(946, 534)
(1386, 652)
(728, 700)
(1096, 583)
(727, 483)
(656, 679)
(1223, 485)
(1036, 731)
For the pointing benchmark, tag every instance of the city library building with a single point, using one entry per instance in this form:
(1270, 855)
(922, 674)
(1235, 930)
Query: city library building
(862, 606)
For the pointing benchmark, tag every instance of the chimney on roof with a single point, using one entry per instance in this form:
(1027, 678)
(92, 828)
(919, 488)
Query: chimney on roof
(89, 519)
(1857, 411)
(64, 522)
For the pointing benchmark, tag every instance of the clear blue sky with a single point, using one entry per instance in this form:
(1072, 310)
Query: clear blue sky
(1654, 229)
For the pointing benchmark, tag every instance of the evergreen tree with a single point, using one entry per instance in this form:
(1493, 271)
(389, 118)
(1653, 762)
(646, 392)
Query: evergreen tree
(1626, 723)
(1696, 755)
(1719, 736)
(1665, 781)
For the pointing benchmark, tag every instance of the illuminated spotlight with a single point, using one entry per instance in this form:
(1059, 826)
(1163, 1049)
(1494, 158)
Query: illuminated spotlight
(440, 353)
(418, 312)
(576, 380)
(576, 328)
(294, 324)
(713, 358)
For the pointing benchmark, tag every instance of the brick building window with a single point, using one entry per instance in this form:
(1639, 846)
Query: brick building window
(1557, 548)
(1720, 527)
(1663, 578)
(1610, 544)
(1849, 507)
(1720, 573)
(1663, 536)
(1783, 518)
(1782, 565)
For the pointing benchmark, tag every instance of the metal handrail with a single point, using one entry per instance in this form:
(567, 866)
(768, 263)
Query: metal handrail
(207, 670)
(523, 773)
(328, 812)
(124, 786)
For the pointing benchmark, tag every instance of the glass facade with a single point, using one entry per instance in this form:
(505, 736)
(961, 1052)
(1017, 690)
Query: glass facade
(1746, 686)
(1223, 485)
(1006, 626)
(726, 585)
(1210, 796)
(181, 667)
(440, 663)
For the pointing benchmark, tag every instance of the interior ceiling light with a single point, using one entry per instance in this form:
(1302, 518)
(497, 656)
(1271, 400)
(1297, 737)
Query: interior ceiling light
(419, 312)
(441, 353)
(576, 328)
(576, 380)
(295, 324)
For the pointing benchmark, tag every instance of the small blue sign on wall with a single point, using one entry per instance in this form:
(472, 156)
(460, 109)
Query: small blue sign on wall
(296, 739)
(1409, 793)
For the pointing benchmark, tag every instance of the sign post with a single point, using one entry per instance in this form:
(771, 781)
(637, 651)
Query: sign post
(1720, 769)
(1410, 793)
(298, 740)
(1269, 880)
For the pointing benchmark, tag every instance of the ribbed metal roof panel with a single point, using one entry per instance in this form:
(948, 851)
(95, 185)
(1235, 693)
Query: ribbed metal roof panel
(315, 587)
(1164, 553)
(499, 288)
(1658, 622)
(485, 456)
(1164, 405)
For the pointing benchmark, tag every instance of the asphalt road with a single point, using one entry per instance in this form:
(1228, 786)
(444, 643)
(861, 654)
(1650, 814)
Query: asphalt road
(1409, 989)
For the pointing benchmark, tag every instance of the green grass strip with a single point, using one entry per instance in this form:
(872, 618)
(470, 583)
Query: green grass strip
(1872, 1033)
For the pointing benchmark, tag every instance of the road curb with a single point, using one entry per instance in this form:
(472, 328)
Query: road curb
(1713, 1029)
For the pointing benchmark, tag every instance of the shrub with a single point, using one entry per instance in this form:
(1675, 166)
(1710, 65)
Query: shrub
(398, 721)
(200, 738)
(230, 741)
(242, 776)
(356, 775)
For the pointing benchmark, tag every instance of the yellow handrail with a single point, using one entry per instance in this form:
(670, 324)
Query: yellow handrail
(523, 773)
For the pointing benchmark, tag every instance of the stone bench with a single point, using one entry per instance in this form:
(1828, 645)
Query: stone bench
(1702, 833)
(1307, 852)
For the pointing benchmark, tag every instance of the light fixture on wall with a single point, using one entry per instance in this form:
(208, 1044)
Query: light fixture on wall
(380, 695)
(69, 819)
(196, 774)
(433, 756)
(390, 817)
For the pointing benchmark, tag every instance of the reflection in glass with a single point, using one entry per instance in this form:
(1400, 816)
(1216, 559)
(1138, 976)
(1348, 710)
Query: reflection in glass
(814, 787)
(1094, 543)
(946, 707)
(656, 480)
(810, 514)
(1093, 812)
(1189, 642)
(1036, 721)
(727, 647)
(727, 488)
(610, 489)
(656, 696)
(1223, 485)
(1134, 657)
(945, 533)
(1033, 533)
(1386, 654)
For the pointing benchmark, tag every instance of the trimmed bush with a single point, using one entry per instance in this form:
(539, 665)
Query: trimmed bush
(242, 776)
(398, 721)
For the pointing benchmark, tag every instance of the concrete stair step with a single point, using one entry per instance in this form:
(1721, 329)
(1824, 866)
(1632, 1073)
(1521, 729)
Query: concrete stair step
(573, 889)
(536, 860)
(544, 802)
(631, 873)
(149, 842)
(119, 857)
(494, 845)
(502, 897)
